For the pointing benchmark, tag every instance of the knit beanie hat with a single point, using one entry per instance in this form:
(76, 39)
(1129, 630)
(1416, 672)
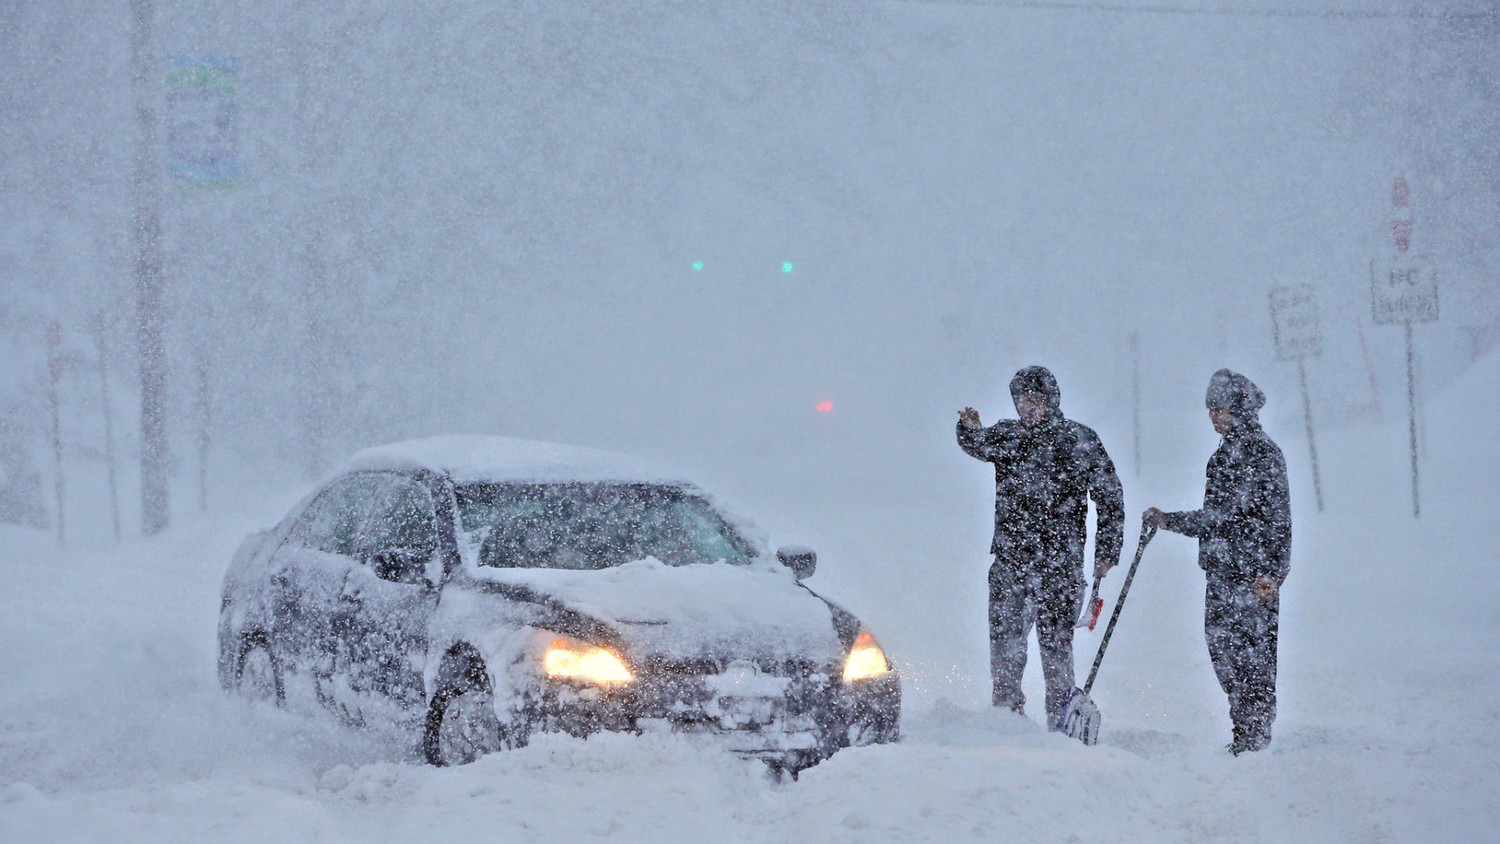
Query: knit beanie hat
(1229, 390)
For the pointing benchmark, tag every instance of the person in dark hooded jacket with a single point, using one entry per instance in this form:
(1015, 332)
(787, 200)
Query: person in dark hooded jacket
(1047, 468)
(1244, 533)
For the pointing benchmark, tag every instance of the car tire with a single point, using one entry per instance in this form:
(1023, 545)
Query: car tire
(257, 675)
(461, 721)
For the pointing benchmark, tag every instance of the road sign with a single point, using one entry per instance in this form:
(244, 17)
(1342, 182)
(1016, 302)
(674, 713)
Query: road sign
(1401, 219)
(1404, 289)
(1294, 317)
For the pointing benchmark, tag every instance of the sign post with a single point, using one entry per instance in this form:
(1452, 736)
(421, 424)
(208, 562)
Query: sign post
(109, 425)
(54, 379)
(1135, 394)
(1294, 318)
(1403, 290)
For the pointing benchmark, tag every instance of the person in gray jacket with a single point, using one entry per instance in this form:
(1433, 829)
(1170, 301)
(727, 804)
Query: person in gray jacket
(1244, 533)
(1047, 468)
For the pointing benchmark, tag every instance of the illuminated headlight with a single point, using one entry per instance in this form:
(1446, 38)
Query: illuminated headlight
(574, 660)
(866, 659)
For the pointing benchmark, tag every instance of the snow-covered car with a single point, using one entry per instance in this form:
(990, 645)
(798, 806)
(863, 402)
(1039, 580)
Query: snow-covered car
(473, 591)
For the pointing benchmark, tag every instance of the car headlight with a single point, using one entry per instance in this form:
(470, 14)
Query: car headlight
(576, 660)
(866, 659)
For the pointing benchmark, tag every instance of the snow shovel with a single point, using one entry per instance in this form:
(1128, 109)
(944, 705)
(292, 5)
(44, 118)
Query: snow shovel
(1080, 717)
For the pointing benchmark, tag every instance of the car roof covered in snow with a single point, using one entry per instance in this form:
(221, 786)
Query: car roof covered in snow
(477, 458)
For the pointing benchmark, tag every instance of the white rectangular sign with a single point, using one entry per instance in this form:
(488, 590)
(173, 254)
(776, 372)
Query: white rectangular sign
(1294, 317)
(1404, 289)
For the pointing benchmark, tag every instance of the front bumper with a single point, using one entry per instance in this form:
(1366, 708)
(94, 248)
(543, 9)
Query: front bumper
(795, 720)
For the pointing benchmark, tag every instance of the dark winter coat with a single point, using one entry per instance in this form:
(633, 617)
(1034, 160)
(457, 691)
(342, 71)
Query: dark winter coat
(1044, 477)
(1244, 529)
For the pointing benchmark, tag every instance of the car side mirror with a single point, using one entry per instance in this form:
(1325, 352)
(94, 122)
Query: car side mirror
(401, 565)
(801, 560)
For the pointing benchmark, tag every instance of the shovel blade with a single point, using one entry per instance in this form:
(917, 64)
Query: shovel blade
(1080, 718)
(1090, 615)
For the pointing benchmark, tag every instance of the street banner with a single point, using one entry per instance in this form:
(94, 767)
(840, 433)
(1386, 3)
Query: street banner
(202, 121)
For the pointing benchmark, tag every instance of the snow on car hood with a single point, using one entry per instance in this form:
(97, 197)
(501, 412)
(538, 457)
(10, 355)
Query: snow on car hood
(715, 611)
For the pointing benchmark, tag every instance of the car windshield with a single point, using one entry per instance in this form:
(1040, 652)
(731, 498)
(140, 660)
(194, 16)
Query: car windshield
(593, 526)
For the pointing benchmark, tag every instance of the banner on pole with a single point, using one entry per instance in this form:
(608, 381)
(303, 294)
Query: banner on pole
(202, 121)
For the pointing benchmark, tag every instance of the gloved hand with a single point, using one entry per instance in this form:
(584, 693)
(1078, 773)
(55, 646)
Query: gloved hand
(1265, 589)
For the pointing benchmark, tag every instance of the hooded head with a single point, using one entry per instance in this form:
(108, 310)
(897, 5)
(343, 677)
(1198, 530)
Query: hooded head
(1037, 380)
(1231, 391)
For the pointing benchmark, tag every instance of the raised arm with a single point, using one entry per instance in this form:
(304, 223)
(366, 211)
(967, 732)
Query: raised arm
(976, 440)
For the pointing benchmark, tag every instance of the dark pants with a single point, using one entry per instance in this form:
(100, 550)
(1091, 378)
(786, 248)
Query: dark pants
(1241, 634)
(1021, 595)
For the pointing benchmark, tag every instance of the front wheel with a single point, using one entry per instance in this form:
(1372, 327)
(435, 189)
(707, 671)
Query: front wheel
(462, 726)
(256, 674)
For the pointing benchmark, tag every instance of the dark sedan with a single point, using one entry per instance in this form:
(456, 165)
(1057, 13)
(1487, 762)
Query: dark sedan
(474, 591)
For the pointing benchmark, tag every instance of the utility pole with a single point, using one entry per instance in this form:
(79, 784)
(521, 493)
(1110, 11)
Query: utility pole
(315, 384)
(145, 231)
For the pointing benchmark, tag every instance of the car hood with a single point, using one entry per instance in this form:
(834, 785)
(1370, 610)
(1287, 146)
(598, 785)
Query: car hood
(715, 612)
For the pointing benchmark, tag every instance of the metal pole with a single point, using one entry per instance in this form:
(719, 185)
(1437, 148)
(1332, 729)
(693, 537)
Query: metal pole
(1411, 415)
(1312, 445)
(313, 361)
(109, 429)
(205, 424)
(1135, 394)
(54, 375)
(1364, 349)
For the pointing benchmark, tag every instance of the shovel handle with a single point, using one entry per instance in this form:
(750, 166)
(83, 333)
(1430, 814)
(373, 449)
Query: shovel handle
(1091, 610)
(1147, 531)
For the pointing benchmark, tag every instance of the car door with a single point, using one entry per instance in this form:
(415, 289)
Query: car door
(389, 601)
(307, 572)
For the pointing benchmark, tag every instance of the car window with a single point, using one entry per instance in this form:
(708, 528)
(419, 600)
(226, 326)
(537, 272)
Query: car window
(594, 526)
(333, 522)
(404, 518)
(701, 532)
